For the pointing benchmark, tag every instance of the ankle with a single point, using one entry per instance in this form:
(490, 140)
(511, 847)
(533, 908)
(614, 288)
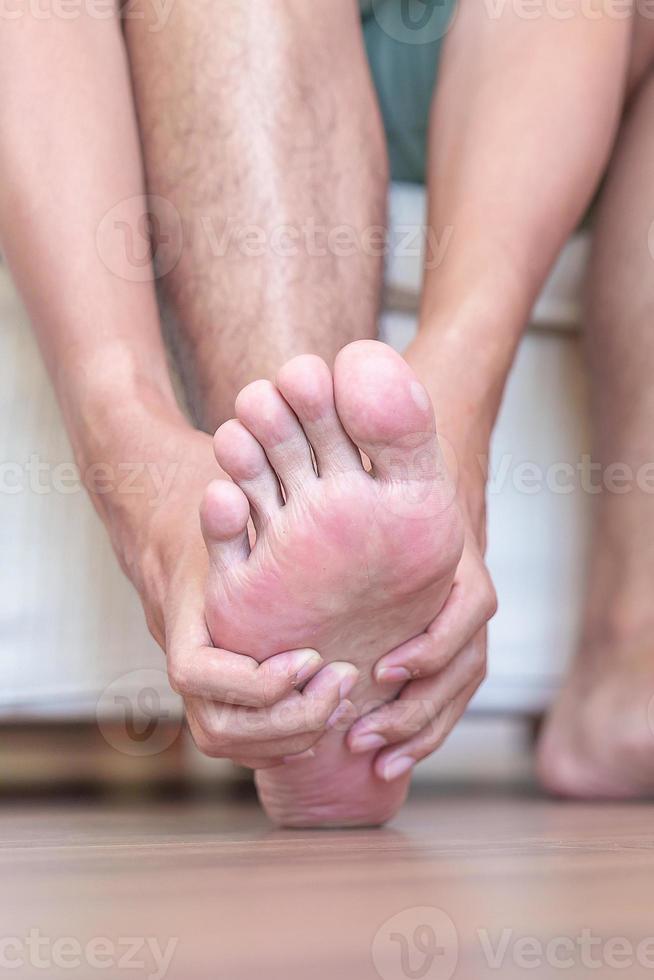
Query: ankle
(618, 630)
(467, 348)
(466, 398)
(618, 613)
(465, 448)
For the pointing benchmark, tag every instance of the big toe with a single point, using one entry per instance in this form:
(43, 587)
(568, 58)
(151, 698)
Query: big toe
(387, 412)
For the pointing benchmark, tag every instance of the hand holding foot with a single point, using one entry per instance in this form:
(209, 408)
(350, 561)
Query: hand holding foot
(345, 561)
(441, 670)
(233, 703)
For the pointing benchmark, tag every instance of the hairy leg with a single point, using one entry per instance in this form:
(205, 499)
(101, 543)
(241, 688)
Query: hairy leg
(260, 126)
(600, 736)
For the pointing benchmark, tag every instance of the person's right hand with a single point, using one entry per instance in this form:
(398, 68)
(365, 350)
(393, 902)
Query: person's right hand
(443, 667)
(255, 714)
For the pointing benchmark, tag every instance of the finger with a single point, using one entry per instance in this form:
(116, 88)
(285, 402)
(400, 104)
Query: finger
(250, 755)
(299, 756)
(420, 701)
(292, 725)
(254, 763)
(198, 669)
(232, 678)
(259, 763)
(392, 763)
(470, 604)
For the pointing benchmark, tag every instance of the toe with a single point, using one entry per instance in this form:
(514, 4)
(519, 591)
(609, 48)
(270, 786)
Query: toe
(307, 385)
(387, 412)
(242, 457)
(263, 411)
(224, 514)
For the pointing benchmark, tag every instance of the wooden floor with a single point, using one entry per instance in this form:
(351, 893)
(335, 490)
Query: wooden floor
(464, 884)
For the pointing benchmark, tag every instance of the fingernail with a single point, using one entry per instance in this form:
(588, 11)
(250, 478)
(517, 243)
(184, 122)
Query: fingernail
(306, 665)
(393, 675)
(366, 743)
(299, 757)
(397, 767)
(348, 674)
(339, 713)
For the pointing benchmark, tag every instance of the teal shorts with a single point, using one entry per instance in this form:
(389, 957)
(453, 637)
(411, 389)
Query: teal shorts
(403, 39)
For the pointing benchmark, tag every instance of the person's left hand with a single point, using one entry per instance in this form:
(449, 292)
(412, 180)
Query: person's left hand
(443, 668)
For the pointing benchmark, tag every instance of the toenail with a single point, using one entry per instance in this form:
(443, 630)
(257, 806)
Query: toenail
(419, 395)
(339, 714)
(347, 684)
(393, 675)
(366, 743)
(299, 757)
(306, 666)
(348, 675)
(397, 767)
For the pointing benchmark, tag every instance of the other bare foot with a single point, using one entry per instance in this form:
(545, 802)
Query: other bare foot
(598, 741)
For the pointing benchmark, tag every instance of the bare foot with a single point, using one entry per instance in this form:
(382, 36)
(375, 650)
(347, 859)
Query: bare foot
(347, 562)
(598, 741)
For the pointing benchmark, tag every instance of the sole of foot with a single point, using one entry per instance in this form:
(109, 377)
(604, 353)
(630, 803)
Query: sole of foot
(598, 741)
(348, 561)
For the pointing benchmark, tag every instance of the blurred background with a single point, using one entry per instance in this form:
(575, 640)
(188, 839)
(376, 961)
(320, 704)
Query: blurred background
(84, 700)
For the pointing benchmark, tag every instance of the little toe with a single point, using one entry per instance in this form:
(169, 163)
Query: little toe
(242, 457)
(224, 514)
(307, 385)
(264, 412)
